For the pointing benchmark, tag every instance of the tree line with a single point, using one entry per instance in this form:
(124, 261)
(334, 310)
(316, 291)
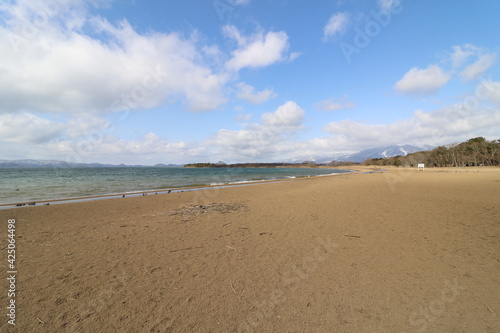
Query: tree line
(473, 152)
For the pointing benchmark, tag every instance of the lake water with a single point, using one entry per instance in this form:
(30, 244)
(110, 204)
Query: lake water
(32, 184)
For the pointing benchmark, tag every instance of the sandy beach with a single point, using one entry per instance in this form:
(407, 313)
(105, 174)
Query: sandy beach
(396, 251)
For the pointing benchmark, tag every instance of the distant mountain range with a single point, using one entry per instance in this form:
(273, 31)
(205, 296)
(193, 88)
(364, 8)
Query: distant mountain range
(62, 164)
(378, 152)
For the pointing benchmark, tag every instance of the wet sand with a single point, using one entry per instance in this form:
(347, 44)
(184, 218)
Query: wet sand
(399, 251)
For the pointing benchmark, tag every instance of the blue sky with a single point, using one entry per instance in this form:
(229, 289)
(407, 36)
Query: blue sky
(146, 82)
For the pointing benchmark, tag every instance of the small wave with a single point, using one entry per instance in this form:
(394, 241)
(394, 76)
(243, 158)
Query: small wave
(246, 181)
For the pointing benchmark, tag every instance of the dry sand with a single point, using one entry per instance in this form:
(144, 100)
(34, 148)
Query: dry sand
(402, 251)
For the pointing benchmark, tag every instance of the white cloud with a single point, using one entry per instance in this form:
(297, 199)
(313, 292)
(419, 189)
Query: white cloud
(336, 25)
(474, 70)
(151, 143)
(294, 55)
(334, 104)
(27, 128)
(110, 149)
(461, 54)
(247, 92)
(232, 32)
(422, 81)
(257, 50)
(475, 59)
(288, 115)
(57, 68)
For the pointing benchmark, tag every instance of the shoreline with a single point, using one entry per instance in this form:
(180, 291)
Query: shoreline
(359, 169)
(5, 206)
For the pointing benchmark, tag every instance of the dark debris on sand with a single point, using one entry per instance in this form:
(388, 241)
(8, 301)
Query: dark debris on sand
(220, 208)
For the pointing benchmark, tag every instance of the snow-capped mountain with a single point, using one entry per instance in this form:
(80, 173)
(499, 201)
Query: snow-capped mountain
(381, 152)
(378, 152)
